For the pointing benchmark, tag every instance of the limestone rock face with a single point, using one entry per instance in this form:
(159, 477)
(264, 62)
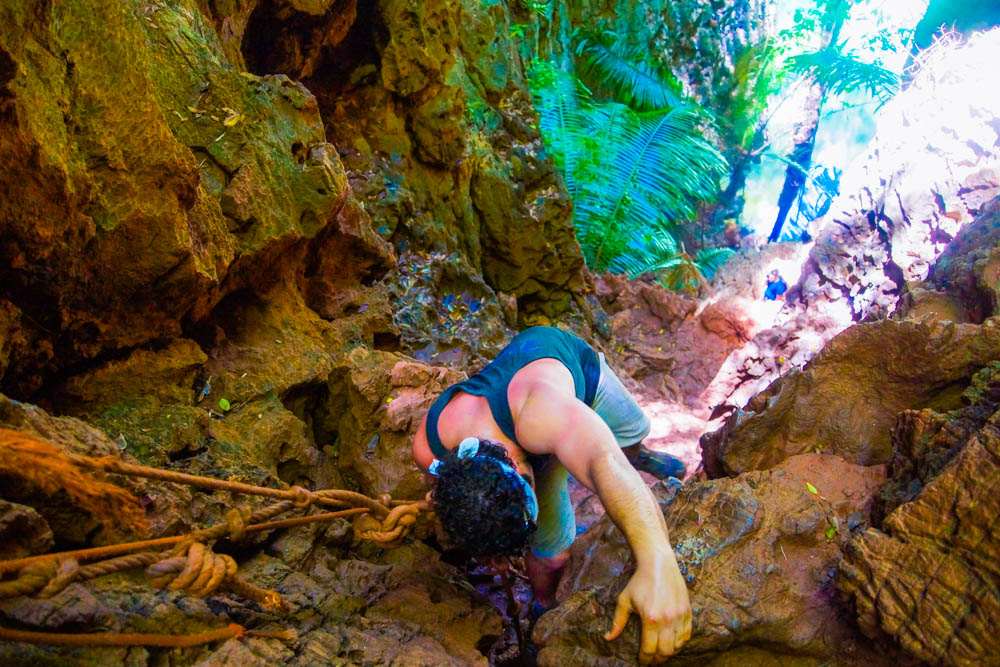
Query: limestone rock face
(432, 117)
(962, 286)
(845, 400)
(759, 553)
(377, 401)
(928, 575)
(143, 186)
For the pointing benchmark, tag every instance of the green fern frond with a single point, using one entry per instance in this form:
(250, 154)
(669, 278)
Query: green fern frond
(710, 260)
(679, 271)
(561, 99)
(626, 73)
(840, 73)
(658, 165)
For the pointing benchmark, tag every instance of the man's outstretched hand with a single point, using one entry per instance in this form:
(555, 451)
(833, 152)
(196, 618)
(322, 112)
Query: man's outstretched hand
(659, 596)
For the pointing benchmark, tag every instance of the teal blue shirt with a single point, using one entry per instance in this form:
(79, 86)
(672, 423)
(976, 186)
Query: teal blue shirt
(491, 382)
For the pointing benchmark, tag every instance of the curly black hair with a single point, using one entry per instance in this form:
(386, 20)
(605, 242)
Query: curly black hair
(481, 507)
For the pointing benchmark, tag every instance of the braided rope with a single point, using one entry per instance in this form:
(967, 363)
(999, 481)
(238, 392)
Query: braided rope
(298, 495)
(190, 565)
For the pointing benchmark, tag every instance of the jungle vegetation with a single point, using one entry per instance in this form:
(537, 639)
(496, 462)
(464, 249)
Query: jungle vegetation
(643, 161)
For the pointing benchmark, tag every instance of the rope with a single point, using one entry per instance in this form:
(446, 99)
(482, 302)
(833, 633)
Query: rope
(21, 564)
(190, 565)
(298, 495)
(122, 639)
(202, 571)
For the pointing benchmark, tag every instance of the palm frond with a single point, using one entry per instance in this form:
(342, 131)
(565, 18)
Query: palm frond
(626, 73)
(710, 260)
(560, 99)
(633, 177)
(660, 168)
(840, 73)
(679, 271)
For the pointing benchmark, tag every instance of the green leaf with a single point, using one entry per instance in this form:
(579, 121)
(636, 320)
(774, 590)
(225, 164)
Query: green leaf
(224, 405)
(812, 489)
(830, 532)
(840, 73)
(627, 74)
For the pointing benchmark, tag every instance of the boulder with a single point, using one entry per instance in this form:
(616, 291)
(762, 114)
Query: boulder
(845, 400)
(759, 552)
(927, 573)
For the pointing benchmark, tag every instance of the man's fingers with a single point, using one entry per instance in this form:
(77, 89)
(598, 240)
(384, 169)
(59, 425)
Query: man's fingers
(650, 639)
(685, 632)
(679, 633)
(622, 610)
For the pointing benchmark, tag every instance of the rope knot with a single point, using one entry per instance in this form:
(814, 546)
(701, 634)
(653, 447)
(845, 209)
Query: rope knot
(390, 531)
(303, 497)
(63, 576)
(236, 521)
(199, 573)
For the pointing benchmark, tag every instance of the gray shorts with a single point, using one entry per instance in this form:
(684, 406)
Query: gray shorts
(556, 520)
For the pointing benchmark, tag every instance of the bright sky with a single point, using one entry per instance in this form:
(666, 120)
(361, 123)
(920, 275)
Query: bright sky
(843, 135)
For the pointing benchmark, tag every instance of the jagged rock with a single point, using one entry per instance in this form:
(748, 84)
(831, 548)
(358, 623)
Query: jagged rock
(377, 400)
(22, 531)
(963, 285)
(845, 400)
(150, 179)
(405, 607)
(928, 575)
(433, 120)
(759, 552)
(446, 313)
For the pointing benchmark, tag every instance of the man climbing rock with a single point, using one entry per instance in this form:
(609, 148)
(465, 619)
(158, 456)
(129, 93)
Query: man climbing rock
(500, 446)
(776, 286)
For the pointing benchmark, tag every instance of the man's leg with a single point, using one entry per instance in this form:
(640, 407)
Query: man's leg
(616, 406)
(556, 531)
(658, 464)
(544, 574)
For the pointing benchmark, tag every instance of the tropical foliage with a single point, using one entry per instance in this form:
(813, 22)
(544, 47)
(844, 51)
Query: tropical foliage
(680, 271)
(838, 73)
(635, 171)
(629, 78)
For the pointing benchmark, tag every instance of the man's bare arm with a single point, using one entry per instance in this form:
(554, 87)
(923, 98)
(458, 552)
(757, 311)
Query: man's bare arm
(550, 421)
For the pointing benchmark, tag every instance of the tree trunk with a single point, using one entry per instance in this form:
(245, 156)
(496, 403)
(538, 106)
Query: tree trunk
(799, 159)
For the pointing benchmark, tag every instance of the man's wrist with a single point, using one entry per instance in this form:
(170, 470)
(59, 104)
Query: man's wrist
(656, 559)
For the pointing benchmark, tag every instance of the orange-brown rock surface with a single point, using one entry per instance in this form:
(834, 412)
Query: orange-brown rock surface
(927, 574)
(759, 552)
(846, 399)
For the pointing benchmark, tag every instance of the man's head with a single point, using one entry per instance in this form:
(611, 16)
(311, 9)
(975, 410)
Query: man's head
(773, 276)
(483, 504)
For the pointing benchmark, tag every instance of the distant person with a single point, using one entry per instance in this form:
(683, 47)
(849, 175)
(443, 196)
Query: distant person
(499, 448)
(776, 286)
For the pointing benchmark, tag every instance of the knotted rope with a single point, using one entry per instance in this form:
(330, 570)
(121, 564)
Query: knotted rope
(189, 564)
